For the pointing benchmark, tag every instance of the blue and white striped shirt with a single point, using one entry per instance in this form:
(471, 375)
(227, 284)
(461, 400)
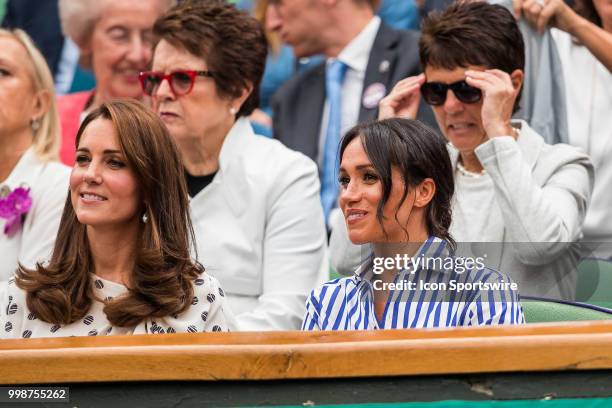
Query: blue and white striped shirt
(347, 303)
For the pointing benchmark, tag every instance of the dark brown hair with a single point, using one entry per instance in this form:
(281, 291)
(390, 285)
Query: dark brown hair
(231, 42)
(418, 153)
(472, 33)
(161, 282)
(586, 9)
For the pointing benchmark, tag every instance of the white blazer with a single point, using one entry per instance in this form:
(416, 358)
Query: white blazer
(260, 230)
(33, 242)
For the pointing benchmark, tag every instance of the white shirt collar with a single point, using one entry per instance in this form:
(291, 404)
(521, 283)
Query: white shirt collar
(357, 52)
(234, 141)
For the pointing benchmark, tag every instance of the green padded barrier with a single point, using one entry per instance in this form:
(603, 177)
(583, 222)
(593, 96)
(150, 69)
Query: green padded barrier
(539, 311)
(332, 272)
(334, 275)
(595, 282)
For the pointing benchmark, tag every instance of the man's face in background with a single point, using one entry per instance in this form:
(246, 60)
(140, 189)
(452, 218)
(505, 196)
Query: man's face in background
(299, 23)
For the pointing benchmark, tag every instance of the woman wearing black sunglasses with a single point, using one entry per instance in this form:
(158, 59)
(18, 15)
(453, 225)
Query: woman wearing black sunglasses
(510, 186)
(255, 204)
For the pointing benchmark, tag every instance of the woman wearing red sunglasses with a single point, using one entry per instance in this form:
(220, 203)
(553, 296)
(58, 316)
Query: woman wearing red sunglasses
(255, 204)
(511, 187)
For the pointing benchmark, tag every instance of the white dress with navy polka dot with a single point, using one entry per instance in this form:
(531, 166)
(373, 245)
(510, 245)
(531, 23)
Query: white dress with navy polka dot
(208, 313)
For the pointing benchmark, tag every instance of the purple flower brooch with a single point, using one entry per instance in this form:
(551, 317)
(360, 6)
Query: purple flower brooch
(14, 205)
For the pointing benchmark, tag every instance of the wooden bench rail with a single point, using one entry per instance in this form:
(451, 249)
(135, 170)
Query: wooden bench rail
(298, 355)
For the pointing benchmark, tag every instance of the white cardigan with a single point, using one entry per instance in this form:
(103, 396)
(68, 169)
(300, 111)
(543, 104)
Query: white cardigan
(48, 183)
(260, 230)
(542, 192)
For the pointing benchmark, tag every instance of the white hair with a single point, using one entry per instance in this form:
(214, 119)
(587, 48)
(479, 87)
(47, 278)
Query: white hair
(78, 17)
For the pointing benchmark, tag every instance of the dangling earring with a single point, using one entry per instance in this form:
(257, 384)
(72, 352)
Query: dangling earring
(35, 124)
(145, 218)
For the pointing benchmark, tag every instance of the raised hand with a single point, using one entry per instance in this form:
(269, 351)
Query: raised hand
(542, 13)
(403, 100)
(499, 94)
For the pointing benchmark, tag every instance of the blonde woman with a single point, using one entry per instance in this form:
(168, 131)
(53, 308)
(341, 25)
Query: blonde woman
(32, 185)
(115, 41)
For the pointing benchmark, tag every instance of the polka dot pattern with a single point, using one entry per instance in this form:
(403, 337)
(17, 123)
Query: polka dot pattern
(204, 314)
(12, 309)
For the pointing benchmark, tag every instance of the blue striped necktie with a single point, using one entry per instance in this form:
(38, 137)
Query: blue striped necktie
(334, 76)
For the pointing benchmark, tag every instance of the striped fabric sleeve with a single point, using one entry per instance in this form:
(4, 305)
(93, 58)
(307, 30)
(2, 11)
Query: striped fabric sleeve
(313, 306)
(505, 309)
(495, 306)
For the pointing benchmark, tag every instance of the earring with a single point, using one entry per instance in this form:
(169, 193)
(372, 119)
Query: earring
(233, 110)
(35, 124)
(145, 218)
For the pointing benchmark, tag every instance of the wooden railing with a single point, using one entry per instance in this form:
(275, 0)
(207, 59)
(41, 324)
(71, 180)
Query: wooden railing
(298, 355)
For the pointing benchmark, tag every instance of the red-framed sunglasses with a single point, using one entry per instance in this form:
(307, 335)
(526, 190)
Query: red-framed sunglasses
(181, 81)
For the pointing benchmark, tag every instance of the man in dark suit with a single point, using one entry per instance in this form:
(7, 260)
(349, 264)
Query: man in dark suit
(373, 57)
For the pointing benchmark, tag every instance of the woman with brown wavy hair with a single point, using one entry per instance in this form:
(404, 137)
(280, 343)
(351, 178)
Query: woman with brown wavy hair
(121, 262)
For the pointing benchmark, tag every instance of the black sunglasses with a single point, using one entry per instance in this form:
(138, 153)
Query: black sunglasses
(434, 93)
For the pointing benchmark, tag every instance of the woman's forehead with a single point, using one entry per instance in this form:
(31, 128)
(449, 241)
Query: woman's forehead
(354, 154)
(12, 50)
(100, 134)
(168, 56)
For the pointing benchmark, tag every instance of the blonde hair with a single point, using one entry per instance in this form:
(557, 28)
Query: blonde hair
(274, 40)
(78, 17)
(46, 138)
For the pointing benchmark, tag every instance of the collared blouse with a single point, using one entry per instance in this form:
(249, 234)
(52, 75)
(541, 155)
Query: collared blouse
(435, 290)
